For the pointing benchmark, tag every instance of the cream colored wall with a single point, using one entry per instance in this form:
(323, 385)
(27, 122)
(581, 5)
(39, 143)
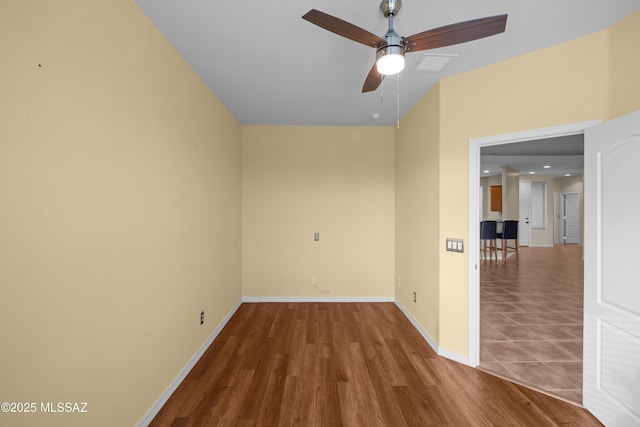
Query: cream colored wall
(566, 83)
(624, 84)
(417, 215)
(120, 189)
(120, 211)
(562, 84)
(337, 181)
(510, 193)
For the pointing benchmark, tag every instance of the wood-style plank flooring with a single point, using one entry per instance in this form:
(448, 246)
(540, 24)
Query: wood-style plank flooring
(346, 364)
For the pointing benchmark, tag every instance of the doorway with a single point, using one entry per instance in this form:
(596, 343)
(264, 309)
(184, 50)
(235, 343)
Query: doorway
(474, 177)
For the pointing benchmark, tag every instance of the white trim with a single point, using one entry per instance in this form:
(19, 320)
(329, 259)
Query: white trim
(474, 233)
(148, 417)
(473, 304)
(440, 351)
(317, 299)
(416, 325)
(534, 134)
(456, 357)
(542, 245)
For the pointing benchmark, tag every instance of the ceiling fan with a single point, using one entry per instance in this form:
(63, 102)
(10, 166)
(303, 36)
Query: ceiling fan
(391, 48)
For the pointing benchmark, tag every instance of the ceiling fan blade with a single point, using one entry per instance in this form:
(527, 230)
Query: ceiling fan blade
(456, 33)
(373, 80)
(343, 28)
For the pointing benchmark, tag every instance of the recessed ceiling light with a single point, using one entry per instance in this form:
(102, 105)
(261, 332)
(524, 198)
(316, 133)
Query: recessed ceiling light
(375, 116)
(546, 166)
(567, 174)
(531, 173)
(487, 171)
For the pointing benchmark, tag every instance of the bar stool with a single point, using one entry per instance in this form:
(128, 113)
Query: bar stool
(509, 232)
(488, 236)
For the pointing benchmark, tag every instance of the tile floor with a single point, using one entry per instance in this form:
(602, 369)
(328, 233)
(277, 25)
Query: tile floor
(531, 319)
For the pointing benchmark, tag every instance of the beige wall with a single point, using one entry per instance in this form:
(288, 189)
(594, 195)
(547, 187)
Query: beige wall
(567, 83)
(510, 193)
(120, 210)
(624, 84)
(337, 181)
(417, 215)
(120, 191)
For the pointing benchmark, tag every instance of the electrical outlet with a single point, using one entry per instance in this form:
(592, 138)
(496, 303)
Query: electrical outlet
(399, 283)
(202, 317)
(414, 296)
(314, 280)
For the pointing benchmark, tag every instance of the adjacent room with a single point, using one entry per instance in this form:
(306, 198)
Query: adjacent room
(180, 180)
(531, 301)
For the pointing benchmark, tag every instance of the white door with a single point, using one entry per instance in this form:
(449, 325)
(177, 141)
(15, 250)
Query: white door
(570, 221)
(612, 285)
(523, 220)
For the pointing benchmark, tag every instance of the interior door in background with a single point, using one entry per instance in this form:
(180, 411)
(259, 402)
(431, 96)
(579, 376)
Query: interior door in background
(570, 218)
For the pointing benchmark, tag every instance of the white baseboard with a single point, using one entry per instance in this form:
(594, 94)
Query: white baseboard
(317, 299)
(148, 417)
(456, 357)
(416, 325)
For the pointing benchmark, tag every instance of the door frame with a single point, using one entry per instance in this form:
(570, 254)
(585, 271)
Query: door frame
(524, 239)
(475, 144)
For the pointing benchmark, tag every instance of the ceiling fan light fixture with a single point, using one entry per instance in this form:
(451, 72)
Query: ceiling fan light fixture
(390, 60)
(390, 50)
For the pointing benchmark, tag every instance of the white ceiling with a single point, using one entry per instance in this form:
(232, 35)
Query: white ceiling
(270, 67)
(563, 155)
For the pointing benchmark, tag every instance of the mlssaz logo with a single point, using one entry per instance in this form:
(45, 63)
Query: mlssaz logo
(80, 407)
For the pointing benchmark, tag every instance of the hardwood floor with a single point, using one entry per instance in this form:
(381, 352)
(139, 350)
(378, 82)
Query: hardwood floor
(531, 317)
(345, 364)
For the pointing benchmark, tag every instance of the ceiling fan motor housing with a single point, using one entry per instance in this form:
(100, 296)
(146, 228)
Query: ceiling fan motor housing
(395, 45)
(390, 7)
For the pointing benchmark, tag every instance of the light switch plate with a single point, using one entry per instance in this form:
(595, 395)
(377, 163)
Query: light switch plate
(455, 245)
